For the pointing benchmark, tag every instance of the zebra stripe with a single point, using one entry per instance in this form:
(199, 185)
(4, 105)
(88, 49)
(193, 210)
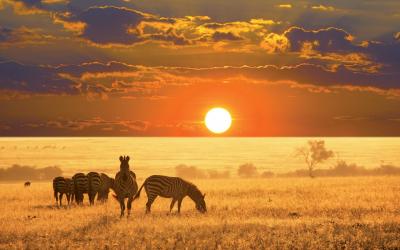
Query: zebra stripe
(125, 185)
(62, 186)
(171, 187)
(105, 185)
(81, 185)
(94, 185)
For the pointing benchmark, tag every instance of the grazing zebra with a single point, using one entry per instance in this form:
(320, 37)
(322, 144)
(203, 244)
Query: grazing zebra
(62, 186)
(81, 186)
(125, 185)
(94, 185)
(27, 184)
(105, 185)
(171, 187)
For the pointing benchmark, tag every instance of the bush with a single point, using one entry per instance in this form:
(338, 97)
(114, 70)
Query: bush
(247, 170)
(19, 173)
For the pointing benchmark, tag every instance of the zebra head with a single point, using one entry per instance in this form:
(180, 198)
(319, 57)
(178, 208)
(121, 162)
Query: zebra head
(124, 167)
(198, 198)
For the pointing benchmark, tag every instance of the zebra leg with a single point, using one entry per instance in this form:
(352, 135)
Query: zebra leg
(179, 205)
(56, 195)
(122, 205)
(129, 205)
(61, 195)
(68, 198)
(91, 199)
(150, 200)
(172, 204)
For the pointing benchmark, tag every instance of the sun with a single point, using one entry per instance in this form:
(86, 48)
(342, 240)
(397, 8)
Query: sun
(218, 120)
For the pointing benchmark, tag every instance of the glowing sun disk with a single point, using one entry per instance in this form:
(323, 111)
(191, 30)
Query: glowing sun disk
(218, 120)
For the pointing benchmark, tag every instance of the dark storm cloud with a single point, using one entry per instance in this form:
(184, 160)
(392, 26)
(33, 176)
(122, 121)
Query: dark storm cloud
(137, 81)
(120, 26)
(5, 34)
(34, 79)
(325, 40)
(302, 74)
(92, 126)
(105, 25)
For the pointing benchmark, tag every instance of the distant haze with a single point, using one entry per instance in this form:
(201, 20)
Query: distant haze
(162, 155)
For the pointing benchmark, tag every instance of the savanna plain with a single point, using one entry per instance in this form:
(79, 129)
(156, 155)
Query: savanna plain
(275, 213)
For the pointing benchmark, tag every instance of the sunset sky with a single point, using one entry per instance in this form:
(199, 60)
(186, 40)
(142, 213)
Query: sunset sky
(155, 67)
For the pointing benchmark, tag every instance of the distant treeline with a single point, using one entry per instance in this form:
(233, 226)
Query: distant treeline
(248, 170)
(25, 173)
(343, 169)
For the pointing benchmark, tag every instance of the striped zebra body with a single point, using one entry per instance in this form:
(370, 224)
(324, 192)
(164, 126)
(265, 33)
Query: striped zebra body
(62, 186)
(125, 185)
(81, 186)
(106, 183)
(171, 187)
(94, 182)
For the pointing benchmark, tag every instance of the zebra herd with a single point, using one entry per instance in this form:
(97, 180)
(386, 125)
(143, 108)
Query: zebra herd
(125, 187)
(93, 184)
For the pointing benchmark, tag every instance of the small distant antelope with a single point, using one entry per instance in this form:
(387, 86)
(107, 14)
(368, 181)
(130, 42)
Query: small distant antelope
(171, 187)
(27, 184)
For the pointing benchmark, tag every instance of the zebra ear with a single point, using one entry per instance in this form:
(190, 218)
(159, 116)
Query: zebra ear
(127, 158)
(121, 158)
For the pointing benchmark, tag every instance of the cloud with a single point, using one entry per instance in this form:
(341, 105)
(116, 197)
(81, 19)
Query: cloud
(110, 25)
(120, 26)
(227, 36)
(97, 79)
(323, 8)
(23, 37)
(93, 126)
(397, 36)
(34, 79)
(333, 46)
(327, 40)
(284, 6)
(33, 7)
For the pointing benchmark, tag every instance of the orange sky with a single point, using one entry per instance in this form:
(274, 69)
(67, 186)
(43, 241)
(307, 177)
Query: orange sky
(154, 68)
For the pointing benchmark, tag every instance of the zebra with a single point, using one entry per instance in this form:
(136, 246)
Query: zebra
(81, 186)
(125, 185)
(105, 185)
(171, 187)
(62, 186)
(94, 182)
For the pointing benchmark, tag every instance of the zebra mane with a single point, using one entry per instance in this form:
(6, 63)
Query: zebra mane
(194, 191)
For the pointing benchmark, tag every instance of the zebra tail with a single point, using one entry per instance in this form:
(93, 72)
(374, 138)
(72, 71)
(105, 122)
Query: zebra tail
(137, 195)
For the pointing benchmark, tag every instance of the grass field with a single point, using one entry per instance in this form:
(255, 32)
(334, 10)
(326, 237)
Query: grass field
(277, 213)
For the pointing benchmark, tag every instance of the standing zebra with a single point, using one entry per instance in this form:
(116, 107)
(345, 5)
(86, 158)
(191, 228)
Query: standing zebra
(81, 186)
(94, 185)
(62, 186)
(105, 185)
(171, 187)
(125, 185)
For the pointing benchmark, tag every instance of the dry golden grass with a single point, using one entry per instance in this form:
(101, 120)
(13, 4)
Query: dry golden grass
(296, 213)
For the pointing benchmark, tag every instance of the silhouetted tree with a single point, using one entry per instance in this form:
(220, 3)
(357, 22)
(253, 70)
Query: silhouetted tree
(313, 154)
(247, 170)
